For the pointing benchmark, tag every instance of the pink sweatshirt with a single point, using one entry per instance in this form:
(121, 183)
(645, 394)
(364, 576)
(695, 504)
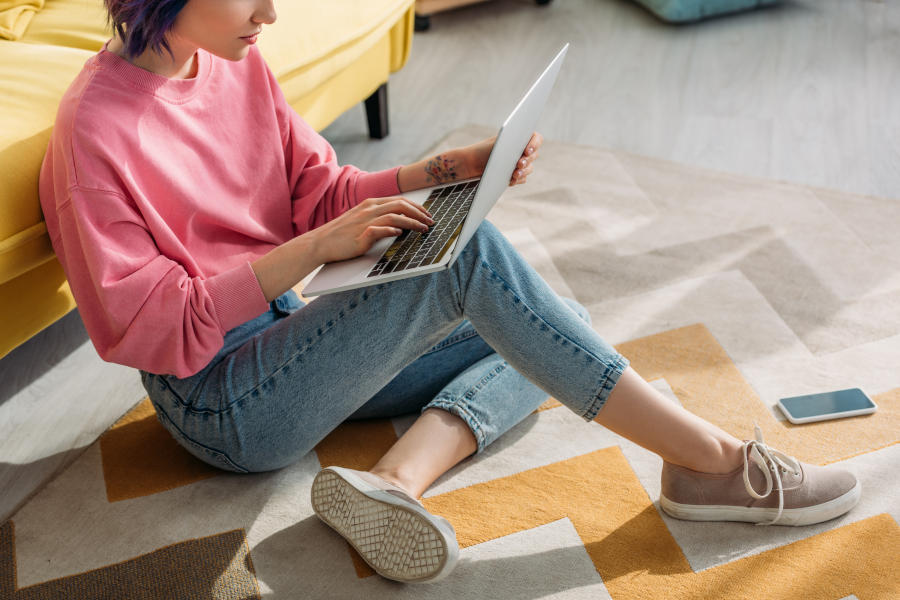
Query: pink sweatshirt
(159, 192)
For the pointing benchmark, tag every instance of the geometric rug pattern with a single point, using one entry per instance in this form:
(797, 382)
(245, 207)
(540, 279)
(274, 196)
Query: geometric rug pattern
(220, 568)
(725, 292)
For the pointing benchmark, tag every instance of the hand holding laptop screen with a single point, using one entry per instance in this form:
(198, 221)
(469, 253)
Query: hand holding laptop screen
(476, 157)
(466, 162)
(525, 166)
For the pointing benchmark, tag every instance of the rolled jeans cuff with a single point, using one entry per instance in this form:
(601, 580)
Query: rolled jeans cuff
(608, 381)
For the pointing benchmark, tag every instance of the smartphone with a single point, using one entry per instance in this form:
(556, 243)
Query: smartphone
(828, 405)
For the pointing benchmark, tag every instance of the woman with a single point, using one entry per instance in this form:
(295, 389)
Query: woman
(184, 198)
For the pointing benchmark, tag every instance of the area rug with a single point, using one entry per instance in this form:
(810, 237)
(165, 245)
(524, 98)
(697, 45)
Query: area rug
(725, 292)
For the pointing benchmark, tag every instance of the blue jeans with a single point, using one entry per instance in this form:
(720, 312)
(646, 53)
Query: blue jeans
(486, 340)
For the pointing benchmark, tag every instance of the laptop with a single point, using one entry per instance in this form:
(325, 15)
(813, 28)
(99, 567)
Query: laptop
(457, 208)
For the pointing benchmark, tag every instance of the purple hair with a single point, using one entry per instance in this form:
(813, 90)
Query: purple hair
(142, 24)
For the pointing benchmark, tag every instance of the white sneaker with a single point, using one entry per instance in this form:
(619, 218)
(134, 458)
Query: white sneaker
(390, 529)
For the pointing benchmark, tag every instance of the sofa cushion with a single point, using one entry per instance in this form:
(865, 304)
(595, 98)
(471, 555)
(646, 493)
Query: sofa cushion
(15, 15)
(303, 62)
(33, 79)
(71, 23)
(680, 11)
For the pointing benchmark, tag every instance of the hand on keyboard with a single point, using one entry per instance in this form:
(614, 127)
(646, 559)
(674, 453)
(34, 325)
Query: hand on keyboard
(354, 232)
(449, 205)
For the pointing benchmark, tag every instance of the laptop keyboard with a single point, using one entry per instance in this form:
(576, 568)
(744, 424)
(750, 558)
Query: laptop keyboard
(448, 207)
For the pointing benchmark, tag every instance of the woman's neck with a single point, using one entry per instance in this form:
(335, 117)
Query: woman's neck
(156, 63)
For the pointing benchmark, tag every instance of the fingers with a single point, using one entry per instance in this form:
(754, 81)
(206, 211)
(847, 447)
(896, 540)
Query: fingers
(524, 168)
(402, 206)
(375, 232)
(394, 200)
(534, 143)
(531, 150)
(400, 221)
(525, 161)
(520, 175)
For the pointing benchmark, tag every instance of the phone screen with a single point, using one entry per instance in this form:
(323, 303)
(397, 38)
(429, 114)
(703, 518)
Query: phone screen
(827, 403)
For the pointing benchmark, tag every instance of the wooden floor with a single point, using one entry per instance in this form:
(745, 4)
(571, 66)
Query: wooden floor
(805, 92)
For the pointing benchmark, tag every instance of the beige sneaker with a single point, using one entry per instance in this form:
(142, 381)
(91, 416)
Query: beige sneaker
(390, 529)
(792, 493)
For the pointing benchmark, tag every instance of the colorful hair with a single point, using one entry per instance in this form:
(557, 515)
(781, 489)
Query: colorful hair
(142, 24)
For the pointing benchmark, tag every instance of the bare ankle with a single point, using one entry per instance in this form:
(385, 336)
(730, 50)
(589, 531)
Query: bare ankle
(716, 456)
(394, 478)
(730, 456)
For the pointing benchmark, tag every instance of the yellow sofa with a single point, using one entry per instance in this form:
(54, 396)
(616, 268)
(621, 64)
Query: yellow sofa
(327, 56)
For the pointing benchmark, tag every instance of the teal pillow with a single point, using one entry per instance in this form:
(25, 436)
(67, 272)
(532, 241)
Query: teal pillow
(679, 11)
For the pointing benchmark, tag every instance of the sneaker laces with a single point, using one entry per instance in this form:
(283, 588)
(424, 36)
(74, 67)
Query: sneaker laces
(770, 461)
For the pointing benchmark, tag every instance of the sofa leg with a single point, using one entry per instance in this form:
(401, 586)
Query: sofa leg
(423, 22)
(377, 113)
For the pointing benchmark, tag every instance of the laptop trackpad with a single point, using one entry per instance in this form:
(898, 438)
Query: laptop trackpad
(355, 269)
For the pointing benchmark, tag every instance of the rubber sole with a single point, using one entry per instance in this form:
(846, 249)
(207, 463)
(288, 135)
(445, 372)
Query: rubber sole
(398, 540)
(790, 516)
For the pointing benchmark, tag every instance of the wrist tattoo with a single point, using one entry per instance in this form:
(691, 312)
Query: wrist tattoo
(441, 169)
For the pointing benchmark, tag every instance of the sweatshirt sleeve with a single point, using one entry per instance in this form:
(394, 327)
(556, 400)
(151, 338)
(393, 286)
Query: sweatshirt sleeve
(320, 188)
(140, 308)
